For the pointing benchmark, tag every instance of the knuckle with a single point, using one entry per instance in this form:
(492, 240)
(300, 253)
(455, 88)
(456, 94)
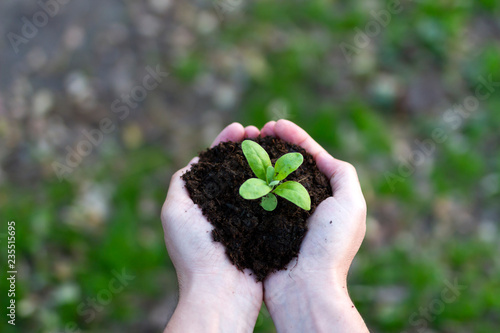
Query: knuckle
(362, 205)
(358, 208)
(176, 175)
(363, 209)
(166, 208)
(165, 211)
(359, 203)
(349, 168)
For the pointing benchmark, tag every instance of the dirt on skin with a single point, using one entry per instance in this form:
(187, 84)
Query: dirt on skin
(254, 238)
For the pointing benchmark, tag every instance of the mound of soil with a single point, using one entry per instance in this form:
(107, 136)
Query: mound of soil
(254, 238)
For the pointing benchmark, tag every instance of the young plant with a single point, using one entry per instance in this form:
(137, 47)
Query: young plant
(269, 179)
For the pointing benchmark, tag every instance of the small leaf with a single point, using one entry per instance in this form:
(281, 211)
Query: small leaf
(270, 174)
(295, 193)
(269, 202)
(254, 188)
(274, 183)
(257, 158)
(287, 164)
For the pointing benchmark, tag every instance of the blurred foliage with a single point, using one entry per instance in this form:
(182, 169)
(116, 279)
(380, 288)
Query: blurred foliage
(432, 221)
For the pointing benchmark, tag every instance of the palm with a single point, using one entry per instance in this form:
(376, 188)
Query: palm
(189, 240)
(188, 233)
(336, 229)
(328, 242)
(337, 226)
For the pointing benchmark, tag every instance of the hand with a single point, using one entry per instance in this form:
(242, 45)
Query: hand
(311, 295)
(214, 296)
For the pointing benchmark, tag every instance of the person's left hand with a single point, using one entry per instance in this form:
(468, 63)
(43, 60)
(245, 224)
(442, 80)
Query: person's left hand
(213, 294)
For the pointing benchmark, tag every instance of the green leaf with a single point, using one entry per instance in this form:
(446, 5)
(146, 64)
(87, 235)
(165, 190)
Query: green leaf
(257, 158)
(270, 174)
(295, 193)
(274, 183)
(287, 164)
(254, 188)
(269, 202)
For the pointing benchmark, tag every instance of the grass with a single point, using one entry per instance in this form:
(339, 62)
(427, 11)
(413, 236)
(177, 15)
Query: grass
(436, 225)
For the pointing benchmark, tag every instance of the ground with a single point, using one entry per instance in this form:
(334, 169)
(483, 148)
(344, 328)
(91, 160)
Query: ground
(407, 93)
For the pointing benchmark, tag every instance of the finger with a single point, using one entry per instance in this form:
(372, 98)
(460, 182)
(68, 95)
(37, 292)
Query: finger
(251, 132)
(292, 133)
(233, 132)
(177, 206)
(178, 199)
(268, 129)
(177, 185)
(343, 177)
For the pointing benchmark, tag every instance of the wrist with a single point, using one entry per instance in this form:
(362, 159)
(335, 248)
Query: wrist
(226, 291)
(313, 305)
(209, 305)
(289, 289)
(280, 287)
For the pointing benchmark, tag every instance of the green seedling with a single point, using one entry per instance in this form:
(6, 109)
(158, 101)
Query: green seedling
(269, 179)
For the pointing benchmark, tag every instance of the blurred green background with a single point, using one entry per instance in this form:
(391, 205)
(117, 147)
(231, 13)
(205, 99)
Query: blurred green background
(401, 96)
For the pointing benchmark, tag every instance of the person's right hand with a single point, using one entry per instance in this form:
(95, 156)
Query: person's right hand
(311, 295)
(214, 296)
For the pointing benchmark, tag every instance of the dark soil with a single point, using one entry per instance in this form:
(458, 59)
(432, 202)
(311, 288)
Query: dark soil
(254, 238)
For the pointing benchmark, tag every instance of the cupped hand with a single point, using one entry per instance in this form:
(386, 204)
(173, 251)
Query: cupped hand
(207, 279)
(310, 295)
(336, 230)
